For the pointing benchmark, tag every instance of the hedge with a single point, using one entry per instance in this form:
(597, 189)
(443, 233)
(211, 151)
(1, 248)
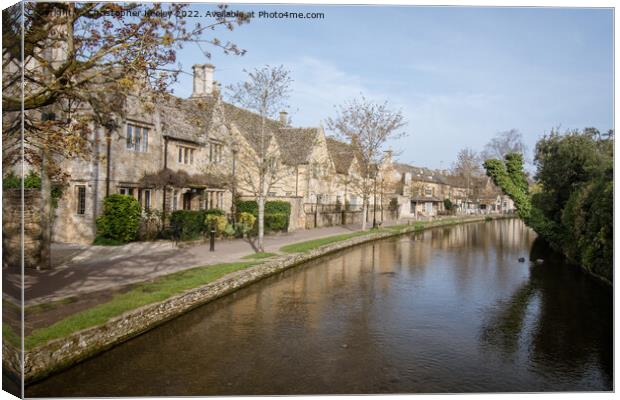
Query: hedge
(190, 225)
(120, 220)
(271, 207)
(277, 214)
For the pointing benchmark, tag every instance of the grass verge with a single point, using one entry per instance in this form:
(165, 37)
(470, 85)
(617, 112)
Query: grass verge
(146, 293)
(50, 306)
(9, 336)
(259, 256)
(313, 244)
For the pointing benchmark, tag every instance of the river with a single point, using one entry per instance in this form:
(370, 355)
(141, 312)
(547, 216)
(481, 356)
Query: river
(448, 310)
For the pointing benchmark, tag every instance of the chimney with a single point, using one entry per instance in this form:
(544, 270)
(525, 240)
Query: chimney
(284, 118)
(203, 80)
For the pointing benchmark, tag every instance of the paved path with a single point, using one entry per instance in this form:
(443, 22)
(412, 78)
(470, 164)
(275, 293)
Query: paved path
(81, 269)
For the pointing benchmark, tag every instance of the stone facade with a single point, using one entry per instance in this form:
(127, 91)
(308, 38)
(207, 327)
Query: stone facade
(12, 211)
(172, 153)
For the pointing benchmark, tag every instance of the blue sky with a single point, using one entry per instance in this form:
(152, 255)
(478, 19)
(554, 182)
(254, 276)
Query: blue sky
(459, 75)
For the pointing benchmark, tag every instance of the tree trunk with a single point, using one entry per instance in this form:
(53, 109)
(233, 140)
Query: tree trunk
(364, 211)
(46, 214)
(261, 222)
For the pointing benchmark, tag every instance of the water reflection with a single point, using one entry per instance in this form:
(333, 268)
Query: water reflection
(559, 318)
(446, 310)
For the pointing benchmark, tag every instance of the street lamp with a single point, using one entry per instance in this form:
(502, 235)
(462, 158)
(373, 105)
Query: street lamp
(233, 207)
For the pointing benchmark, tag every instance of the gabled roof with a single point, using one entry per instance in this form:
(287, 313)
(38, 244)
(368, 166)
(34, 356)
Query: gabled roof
(296, 144)
(341, 153)
(249, 125)
(186, 119)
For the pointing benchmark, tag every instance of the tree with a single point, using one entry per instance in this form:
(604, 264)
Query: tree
(503, 143)
(80, 61)
(265, 92)
(367, 126)
(468, 167)
(509, 176)
(572, 208)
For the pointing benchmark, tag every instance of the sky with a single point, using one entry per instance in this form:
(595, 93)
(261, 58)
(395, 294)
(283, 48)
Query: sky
(459, 75)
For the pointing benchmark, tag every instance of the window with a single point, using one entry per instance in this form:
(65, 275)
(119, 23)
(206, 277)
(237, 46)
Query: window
(81, 199)
(127, 191)
(175, 201)
(147, 199)
(186, 155)
(137, 138)
(428, 192)
(215, 153)
(215, 199)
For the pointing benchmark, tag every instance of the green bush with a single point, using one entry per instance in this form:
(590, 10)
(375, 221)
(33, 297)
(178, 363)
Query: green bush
(32, 181)
(215, 211)
(217, 221)
(245, 223)
(188, 224)
(120, 220)
(248, 206)
(276, 222)
(271, 207)
(277, 214)
(229, 231)
(11, 181)
(194, 224)
(277, 207)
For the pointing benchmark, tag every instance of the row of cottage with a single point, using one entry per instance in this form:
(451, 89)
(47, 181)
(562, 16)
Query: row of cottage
(175, 153)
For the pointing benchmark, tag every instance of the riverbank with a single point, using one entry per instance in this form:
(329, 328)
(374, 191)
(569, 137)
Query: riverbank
(59, 353)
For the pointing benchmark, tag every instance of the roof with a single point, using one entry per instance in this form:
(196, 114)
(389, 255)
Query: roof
(249, 125)
(341, 153)
(421, 174)
(186, 119)
(296, 144)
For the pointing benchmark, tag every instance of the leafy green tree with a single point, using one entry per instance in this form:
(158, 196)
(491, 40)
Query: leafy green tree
(572, 208)
(510, 177)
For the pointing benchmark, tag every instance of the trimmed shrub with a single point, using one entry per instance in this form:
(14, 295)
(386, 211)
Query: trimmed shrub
(120, 220)
(229, 231)
(187, 224)
(276, 222)
(245, 223)
(277, 207)
(215, 211)
(276, 212)
(249, 206)
(217, 221)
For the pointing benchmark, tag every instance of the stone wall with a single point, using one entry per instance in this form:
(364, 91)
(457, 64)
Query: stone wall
(11, 227)
(332, 218)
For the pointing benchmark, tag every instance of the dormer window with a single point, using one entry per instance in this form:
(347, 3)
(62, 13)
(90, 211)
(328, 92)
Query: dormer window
(137, 138)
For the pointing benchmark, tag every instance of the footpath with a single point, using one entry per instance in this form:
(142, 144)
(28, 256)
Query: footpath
(87, 269)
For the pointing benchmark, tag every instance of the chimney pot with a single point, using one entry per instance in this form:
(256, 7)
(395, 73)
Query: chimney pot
(284, 118)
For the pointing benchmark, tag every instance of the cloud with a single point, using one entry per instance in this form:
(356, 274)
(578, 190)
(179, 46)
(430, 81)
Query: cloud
(319, 86)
